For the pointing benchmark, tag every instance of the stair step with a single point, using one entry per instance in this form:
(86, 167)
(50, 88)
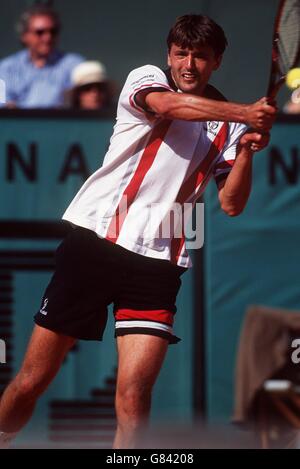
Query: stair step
(93, 416)
(67, 405)
(111, 382)
(103, 393)
(82, 438)
(82, 427)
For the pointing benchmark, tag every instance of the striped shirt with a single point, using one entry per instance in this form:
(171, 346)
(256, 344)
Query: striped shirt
(152, 163)
(30, 87)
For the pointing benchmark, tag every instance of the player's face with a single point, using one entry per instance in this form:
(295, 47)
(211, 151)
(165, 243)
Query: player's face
(191, 68)
(41, 36)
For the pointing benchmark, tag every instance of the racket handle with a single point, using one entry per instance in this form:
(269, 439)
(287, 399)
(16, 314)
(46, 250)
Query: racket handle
(274, 88)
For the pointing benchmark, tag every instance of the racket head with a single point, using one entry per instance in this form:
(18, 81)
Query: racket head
(286, 43)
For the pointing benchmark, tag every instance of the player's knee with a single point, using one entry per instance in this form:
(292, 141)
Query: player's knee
(30, 385)
(134, 397)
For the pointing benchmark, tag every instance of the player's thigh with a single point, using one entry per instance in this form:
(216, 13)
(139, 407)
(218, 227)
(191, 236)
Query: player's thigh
(140, 358)
(45, 352)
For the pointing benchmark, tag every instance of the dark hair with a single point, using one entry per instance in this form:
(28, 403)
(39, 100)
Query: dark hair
(192, 31)
(36, 10)
(105, 87)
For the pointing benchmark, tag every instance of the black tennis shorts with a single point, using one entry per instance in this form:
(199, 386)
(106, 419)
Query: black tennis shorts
(92, 273)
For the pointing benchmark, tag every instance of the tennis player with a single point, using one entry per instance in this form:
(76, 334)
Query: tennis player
(174, 132)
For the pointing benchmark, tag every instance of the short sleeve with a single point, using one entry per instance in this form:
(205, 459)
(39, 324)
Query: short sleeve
(148, 76)
(226, 160)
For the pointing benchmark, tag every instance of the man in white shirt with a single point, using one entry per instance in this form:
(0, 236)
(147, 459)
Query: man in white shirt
(170, 138)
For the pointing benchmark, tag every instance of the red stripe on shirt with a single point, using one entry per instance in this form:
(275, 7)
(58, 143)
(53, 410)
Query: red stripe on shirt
(146, 161)
(191, 184)
(176, 248)
(159, 315)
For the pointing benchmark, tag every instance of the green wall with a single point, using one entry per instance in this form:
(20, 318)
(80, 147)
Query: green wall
(251, 259)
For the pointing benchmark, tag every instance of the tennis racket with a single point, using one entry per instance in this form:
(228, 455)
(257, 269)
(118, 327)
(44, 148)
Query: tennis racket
(286, 44)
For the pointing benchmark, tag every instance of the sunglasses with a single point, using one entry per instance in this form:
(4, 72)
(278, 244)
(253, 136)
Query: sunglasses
(42, 31)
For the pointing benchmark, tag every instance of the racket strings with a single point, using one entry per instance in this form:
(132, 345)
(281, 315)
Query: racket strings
(289, 35)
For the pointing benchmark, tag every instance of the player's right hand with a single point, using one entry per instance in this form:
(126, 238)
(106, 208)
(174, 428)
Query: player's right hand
(261, 115)
(255, 141)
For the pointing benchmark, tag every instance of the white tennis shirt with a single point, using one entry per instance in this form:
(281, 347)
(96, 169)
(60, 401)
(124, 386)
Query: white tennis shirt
(152, 165)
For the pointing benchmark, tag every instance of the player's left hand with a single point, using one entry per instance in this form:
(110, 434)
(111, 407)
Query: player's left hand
(255, 141)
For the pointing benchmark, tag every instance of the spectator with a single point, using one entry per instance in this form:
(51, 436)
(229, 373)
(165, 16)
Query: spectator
(91, 88)
(38, 76)
(293, 105)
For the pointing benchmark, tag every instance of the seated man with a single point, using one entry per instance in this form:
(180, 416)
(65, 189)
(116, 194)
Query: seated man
(37, 76)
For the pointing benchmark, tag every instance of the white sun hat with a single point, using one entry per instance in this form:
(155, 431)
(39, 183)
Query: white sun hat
(88, 72)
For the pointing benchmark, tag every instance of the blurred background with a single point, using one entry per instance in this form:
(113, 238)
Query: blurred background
(48, 150)
(127, 36)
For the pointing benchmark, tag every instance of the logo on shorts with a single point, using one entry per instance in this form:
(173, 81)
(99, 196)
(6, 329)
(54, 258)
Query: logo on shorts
(43, 308)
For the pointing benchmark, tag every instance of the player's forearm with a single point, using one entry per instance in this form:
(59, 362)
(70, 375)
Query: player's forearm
(194, 108)
(189, 107)
(235, 193)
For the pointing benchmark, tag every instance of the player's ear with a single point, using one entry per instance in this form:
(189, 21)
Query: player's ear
(218, 62)
(169, 60)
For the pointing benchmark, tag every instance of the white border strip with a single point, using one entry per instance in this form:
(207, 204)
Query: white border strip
(146, 324)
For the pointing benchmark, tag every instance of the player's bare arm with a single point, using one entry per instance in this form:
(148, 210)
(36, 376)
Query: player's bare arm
(235, 190)
(259, 115)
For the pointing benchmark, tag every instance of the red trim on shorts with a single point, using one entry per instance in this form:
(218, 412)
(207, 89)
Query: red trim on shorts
(158, 315)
